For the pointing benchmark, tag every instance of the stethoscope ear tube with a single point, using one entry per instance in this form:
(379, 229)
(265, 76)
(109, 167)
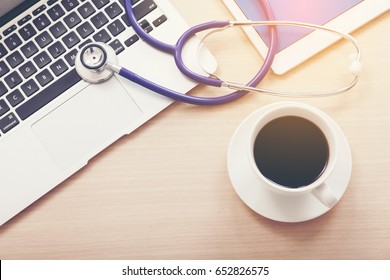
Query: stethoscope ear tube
(190, 99)
(97, 61)
(177, 51)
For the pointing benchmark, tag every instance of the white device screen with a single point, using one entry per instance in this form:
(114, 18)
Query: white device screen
(310, 11)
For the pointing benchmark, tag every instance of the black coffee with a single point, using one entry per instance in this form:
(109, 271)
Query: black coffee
(291, 151)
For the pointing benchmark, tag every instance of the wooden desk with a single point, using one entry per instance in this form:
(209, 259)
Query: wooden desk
(164, 192)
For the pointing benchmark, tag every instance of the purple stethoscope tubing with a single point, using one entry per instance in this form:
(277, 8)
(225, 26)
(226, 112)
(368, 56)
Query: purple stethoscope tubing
(176, 51)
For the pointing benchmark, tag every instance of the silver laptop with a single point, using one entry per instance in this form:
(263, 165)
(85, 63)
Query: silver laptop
(51, 122)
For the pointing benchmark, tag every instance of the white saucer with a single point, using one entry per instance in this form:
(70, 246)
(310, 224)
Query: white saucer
(275, 206)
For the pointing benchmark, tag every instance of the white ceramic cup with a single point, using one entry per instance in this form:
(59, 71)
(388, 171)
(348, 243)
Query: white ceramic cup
(318, 188)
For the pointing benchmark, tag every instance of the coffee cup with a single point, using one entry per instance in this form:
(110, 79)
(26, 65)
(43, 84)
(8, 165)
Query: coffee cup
(292, 149)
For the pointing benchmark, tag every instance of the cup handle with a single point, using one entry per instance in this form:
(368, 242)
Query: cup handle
(325, 195)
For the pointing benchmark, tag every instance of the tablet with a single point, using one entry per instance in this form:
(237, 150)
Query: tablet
(297, 44)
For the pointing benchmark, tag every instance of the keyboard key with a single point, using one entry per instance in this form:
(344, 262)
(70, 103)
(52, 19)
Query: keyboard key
(28, 69)
(86, 10)
(102, 36)
(15, 97)
(29, 49)
(113, 10)
(71, 39)
(116, 27)
(15, 59)
(24, 20)
(29, 87)
(3, 89)
(4, 69)
(59, 67)
(13, 41)
(51, 2)
(13, 80)
(144, 8)
(42, 59)
(55, 12)
(44, 77)
(85, 30)
(41, 22)
(146, 26)
(27, 32)
(39, 10)
(70, 4)
(58, 29)
(56, 49)
(141, 11)
(71, 57)
(99, 20)
(72, 20)
(8, 122)
(85, 43)
(160, 21)
(48, 94)
(131, 40)
(43, 39)
(3, 51)
(9, 30)
(117, 46)
(100, 3)
(125, 20)
(4, 108)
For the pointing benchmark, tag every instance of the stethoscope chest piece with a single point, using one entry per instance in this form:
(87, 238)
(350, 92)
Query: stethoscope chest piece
(92, 60)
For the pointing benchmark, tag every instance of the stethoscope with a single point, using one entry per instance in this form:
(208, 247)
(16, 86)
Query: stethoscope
(97, 62)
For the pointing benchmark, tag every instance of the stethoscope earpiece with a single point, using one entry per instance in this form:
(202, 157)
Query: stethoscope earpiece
(355, 68)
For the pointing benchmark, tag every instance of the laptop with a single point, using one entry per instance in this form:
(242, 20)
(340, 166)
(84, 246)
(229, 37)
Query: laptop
(51, 122)
(296, 45)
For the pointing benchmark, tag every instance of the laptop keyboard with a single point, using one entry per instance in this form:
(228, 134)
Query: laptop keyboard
(37, 55)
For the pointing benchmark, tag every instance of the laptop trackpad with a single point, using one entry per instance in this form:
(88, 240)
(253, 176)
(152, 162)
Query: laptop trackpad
(87, 123)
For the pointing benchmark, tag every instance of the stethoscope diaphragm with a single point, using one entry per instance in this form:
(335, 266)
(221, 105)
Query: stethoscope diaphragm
(92, 60)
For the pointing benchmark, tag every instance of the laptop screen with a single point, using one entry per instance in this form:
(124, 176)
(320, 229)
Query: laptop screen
(11, 8)
(7, 5)
(312, 11)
